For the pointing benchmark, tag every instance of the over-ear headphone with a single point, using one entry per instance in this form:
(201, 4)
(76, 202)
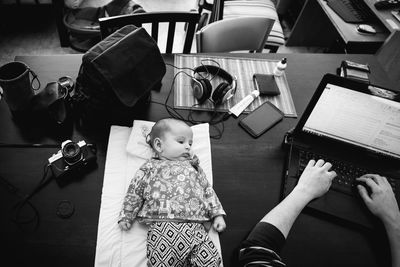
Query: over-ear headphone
(202, 87)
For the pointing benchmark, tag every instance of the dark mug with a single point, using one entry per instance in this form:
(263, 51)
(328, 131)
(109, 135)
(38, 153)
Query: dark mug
(17, 85)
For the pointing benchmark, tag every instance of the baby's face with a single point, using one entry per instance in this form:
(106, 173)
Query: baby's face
(177, 143)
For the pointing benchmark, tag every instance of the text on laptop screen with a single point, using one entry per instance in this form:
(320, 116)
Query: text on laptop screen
(354, 117)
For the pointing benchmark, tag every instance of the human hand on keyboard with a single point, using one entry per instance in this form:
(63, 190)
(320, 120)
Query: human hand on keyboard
(316, 178)
(381, 201)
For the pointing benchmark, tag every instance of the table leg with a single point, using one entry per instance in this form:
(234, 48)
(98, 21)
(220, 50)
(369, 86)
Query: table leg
(62, 30)
(312, 27)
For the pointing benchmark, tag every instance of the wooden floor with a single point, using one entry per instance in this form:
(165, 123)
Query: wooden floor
(31, 29)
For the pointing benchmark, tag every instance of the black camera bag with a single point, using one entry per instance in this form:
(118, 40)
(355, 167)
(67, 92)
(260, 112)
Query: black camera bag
(116, 77)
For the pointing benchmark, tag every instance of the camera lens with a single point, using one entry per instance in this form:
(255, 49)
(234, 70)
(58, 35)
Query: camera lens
(67, 83)
(71, 152)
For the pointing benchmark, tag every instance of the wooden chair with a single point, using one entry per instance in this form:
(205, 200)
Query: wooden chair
(388, 56)
(110, 24)
(235, 34)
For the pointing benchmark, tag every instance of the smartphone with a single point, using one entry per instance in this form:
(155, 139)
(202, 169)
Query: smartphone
(266, 84)
(261, 119)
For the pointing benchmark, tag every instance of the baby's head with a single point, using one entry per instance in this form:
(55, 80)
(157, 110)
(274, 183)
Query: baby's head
(171, 139)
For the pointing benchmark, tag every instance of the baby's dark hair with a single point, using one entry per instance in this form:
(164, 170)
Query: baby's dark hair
(160, 128)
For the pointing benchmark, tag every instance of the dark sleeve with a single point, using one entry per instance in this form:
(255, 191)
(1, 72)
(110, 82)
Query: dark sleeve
(262, 246)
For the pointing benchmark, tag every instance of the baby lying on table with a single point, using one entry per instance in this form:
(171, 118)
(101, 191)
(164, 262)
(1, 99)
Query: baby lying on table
(171, 194)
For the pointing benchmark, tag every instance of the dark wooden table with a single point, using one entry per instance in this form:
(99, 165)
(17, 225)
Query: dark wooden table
(319, 25)
(247, 178)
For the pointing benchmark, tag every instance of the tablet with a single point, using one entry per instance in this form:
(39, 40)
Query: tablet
(261, 119)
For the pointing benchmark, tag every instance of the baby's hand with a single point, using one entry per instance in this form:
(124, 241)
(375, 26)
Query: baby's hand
(124, 225)
(219, 223)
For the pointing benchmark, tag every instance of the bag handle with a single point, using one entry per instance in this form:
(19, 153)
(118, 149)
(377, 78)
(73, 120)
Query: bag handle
(35, 78)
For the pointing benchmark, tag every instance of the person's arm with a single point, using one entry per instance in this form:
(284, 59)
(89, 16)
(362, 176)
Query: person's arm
(314, 182)
(213, 203)
(265, 241)
(133, 199)
(382, 203)
(214, 206)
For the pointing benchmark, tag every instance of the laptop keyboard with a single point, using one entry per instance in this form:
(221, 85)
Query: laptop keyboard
(346, 173)
(352, 11)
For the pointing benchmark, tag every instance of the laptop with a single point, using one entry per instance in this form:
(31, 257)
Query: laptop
(356, 127)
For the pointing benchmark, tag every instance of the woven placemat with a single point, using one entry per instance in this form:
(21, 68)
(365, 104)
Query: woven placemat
(243, 69)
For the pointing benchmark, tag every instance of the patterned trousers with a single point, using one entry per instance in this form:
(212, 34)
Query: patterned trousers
(180, 244)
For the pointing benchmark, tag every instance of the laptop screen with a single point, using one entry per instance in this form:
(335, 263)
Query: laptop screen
(359, 118)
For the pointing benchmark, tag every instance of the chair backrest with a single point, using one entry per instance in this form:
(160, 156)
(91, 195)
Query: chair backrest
(110, 24)
(240, 33)
(388, 56)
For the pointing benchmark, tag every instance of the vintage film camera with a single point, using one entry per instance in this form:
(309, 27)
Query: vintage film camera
(73, 160)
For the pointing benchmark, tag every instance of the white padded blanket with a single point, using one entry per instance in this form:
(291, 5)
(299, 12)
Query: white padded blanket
(126, 152)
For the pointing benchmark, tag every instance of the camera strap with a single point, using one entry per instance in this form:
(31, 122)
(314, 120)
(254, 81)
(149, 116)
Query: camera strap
(27, 145)
(19, 208)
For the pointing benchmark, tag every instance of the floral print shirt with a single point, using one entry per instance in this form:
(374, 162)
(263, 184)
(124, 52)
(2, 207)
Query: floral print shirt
(165, 190)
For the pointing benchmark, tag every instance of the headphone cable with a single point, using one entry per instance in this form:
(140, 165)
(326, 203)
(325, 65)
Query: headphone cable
(175, 114)
(194, 70)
